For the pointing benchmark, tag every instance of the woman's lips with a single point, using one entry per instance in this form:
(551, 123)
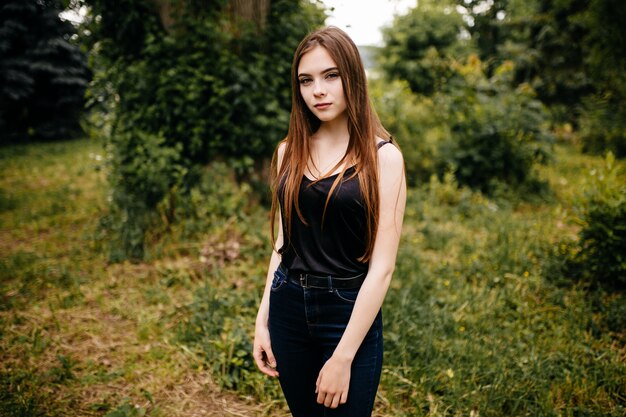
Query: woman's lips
(322, 106)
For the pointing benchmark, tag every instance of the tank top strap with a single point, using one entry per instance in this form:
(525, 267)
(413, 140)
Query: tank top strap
(383, 143)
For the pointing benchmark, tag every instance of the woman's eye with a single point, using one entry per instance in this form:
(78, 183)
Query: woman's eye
(305, 81)
(332, 75)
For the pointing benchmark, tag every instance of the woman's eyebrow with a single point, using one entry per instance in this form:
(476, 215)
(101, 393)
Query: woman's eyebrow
(303, 74)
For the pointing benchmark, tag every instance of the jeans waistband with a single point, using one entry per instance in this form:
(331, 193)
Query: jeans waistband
(326, 282)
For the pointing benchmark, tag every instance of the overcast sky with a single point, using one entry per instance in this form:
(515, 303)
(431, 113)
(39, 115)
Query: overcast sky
(362, 20)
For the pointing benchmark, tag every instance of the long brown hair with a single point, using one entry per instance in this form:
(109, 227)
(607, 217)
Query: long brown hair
(363, 127)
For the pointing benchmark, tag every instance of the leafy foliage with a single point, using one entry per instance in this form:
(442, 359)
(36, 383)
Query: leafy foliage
(497, 133)
(416, 123)
(488, 133)
(602, 246)
(43, 75)
(603, 123)
(570, 51)
(421, 45)
(469, 115)
(144, 172)
(209, 86)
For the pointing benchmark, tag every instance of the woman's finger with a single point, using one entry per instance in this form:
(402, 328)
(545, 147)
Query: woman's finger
(344, 397)
(321, 396)
(261, 362)
(271, 360)
(328, 401)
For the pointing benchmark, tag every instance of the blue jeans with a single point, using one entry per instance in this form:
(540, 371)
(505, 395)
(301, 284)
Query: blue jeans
(305, 326)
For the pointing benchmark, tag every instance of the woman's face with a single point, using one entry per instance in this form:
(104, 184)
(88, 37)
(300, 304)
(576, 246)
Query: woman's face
(320, 85)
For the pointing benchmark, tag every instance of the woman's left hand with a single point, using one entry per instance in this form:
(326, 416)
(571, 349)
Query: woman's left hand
(333, 382)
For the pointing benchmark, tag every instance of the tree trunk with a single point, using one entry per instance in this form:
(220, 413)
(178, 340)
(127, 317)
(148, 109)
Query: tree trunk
(247, 10)
(251, 10)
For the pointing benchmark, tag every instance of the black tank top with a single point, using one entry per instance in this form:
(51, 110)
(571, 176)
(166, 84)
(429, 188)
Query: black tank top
(334, 247)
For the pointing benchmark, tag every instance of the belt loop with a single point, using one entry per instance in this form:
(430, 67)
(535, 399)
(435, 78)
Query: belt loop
(330, 283)
(302, 281)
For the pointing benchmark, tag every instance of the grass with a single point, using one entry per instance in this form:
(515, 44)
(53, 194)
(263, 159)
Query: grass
(473, 323)
(79, 336)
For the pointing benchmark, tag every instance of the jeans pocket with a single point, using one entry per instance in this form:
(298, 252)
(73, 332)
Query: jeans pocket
(279, 281)
(349, 296)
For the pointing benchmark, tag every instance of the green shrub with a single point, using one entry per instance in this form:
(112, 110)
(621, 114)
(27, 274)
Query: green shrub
(213, 86)
(601, 256)
(420, 46)
(415, 123)
(216, 199)
(598, 256)
(497, 133)
(490, 135)
(142, 172)
(603, 125)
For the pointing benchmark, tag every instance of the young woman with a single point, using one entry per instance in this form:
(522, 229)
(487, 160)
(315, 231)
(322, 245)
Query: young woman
(340, 193)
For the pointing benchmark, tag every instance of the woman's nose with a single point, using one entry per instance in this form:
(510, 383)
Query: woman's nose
(319, 89)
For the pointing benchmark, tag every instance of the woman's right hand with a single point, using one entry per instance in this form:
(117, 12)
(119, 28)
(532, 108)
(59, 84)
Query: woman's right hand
(262, 351)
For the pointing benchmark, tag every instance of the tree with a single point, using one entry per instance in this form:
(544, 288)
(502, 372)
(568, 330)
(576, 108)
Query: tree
(43, 75)
(421, 45)
(571, 51)
(491, 130)
(603, 123)
(191, 82)
(483, 20)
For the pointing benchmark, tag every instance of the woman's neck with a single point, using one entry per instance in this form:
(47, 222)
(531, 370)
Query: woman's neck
(333, 131)
(327, 148)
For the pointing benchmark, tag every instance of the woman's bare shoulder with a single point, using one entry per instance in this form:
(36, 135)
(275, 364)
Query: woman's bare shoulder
(388, 154)
(280, 152)
(281, 148)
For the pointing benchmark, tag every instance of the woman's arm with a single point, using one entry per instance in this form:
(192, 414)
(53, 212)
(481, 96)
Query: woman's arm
(334, 378)
(262, 350)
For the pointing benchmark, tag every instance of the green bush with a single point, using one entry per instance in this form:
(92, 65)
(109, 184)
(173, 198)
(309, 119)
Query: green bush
(488, 133)
(497, 133)
(603, 125)
(601, 257)
(421, 45)
(415, 123)
(598, 256)
(142, 172)
(211, 86)
(215, 200)
(480, 128)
